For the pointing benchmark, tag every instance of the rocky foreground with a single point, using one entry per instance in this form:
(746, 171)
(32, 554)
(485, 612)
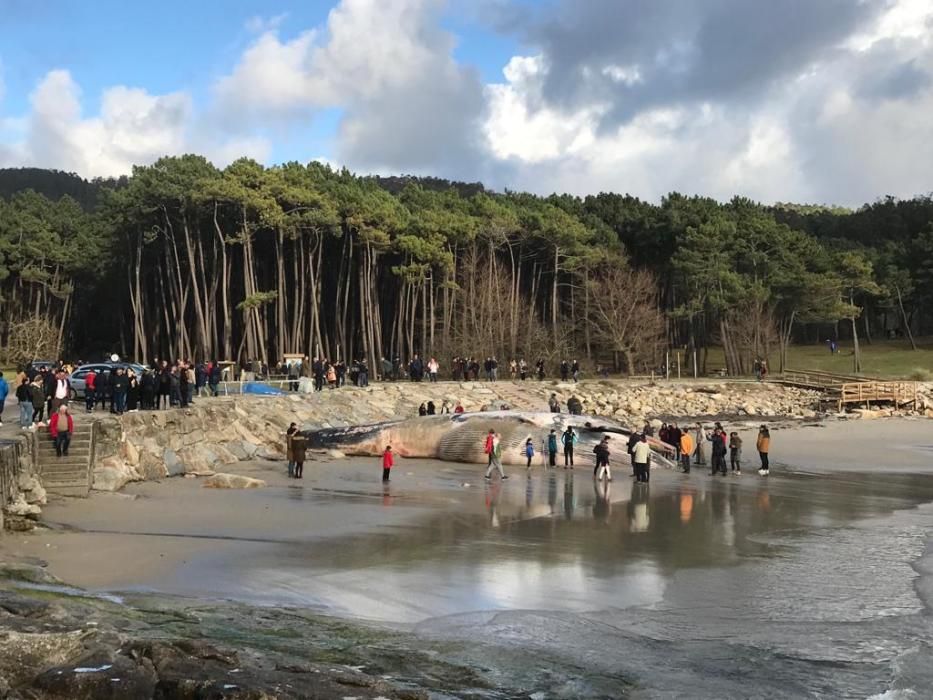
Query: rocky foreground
(216, 433)
(57, 644)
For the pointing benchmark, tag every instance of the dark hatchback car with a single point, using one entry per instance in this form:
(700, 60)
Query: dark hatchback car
(79, 375)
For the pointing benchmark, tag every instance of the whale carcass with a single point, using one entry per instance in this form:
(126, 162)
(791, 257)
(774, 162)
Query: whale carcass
(461, 437)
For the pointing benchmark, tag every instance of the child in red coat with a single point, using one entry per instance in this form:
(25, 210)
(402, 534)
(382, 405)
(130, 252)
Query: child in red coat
(387, 463)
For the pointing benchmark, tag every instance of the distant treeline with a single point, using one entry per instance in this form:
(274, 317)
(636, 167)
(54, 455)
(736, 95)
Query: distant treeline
(183, 259)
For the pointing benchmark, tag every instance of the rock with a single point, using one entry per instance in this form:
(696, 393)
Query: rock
(269, 453)
(19, 507)
(656, 424)
(173, 465)
(130, 453)
(113, 474)
(31, 489)
(36, 495)
(23, 654)
(867, 413)
(102, 674)
(151, 467)
(237, 450)
(233, 481)
(197, 460)
(335, 454)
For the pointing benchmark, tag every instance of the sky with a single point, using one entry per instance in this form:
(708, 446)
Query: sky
(817, 101)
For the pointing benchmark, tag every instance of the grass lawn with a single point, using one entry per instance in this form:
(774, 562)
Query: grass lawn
(882, 359)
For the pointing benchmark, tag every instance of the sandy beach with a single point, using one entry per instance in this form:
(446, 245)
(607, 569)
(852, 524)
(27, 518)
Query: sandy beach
(818, 561)
(178, 537)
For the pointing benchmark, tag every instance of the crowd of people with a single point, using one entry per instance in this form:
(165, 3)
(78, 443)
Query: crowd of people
(685, 445)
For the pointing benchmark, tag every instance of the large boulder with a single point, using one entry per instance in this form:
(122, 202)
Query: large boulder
(151, 467)
(198, 460)
(173, 465)
(22, 654)
(19, 507)
(113, 474)
(32, 489)
(130, 453)
(233, 481)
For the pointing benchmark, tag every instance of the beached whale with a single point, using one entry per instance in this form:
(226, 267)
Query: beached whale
(460, 437)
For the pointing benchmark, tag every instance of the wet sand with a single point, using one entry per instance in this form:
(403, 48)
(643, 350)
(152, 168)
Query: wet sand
(306, 541)
(817, 564)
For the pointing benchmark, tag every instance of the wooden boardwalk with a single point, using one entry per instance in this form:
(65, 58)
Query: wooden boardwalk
(845, 389)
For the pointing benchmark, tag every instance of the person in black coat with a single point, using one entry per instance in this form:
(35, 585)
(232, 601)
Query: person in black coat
(102, 389)
(147, 387)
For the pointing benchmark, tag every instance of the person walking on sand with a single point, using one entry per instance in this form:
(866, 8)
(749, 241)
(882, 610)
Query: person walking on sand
(735, 453)
(552, 448)
(299, 446)
(487, 446)
(686, 449)
(529, 452)
(569, 439)
(602, 460)
(642, 454)
(289, 450)
(764, 445)
(61, 428)
(495, 458)
(387, 463)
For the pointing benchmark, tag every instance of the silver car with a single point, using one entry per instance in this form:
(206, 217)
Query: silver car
(78, 377)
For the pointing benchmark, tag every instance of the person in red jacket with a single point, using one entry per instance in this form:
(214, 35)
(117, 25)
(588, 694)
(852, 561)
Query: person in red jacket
(90, 390)
(487, 448)
(61, 427)
(387, 463)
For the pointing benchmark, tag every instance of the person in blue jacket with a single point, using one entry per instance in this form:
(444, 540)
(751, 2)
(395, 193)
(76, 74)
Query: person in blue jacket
(529, 452)
(4, 390)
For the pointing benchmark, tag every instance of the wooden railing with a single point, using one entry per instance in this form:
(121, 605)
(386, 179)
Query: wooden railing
(898, 393)
(820, 380)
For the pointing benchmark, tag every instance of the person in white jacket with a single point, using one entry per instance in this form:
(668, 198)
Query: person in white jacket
(642, 455)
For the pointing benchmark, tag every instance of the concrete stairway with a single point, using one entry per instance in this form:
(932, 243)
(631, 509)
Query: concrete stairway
(71, 475)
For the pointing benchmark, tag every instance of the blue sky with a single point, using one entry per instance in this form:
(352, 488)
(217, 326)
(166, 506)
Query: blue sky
(772, 99)
(174, 46)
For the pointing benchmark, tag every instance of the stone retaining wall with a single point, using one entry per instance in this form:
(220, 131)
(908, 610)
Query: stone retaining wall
(21, 493)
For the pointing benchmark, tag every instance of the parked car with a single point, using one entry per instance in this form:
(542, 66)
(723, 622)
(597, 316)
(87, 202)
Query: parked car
(78, 376)
(39, 365)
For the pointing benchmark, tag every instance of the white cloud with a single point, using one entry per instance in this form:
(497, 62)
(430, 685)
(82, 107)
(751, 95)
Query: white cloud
(132, 127)
(258, 24)
(850, 125)
(830, 105)
(387, 65)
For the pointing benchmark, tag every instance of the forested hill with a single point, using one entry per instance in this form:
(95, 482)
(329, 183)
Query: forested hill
(184, 259)
(53, 184)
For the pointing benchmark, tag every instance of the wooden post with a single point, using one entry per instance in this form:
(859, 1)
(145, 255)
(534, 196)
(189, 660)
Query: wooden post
(678, 364)
(667, 364)
(695, 364)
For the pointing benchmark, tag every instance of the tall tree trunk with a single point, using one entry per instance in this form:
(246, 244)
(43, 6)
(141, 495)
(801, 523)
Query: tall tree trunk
(904, 319)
